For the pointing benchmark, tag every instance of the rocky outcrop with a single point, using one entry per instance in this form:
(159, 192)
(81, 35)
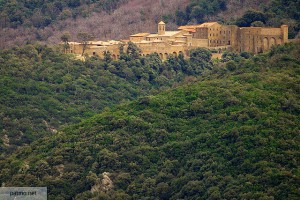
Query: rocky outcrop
(50, 128)
(24, 168)
(60, 168)
(5, 140)
(103, 185)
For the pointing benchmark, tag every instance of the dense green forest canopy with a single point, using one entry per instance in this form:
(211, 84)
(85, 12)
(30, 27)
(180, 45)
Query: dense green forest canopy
(41, 13)
(234, 134)
(43, 89)
(198, 10)
(276, 13)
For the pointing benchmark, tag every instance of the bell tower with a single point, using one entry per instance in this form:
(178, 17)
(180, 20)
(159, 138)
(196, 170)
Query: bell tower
(161, 28)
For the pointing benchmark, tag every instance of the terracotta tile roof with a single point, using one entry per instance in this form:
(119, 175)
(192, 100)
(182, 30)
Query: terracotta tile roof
(192, 28)
(207, 24)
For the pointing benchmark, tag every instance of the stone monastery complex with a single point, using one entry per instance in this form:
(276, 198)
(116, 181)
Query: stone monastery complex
(211, 35)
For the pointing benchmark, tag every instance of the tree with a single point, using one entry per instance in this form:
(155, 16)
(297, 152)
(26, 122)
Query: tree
(200, 54)
(250, 17)
(231, 65)
(181, 17)
(257, 24)
(84, 39)
(200, 58)
(163, 190)
(133, 51)
(198, 14)
(65, 38)
(107, 56)
(123, 55)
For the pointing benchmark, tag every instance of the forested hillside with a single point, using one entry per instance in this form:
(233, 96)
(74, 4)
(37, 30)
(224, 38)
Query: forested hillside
(234, 134)
(41, 13)
(25, 22)
(105, 19)
(42, 89)
(244, 13)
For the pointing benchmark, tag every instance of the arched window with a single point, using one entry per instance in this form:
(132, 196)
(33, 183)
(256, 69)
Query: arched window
(266, 43)
(161, 55)
(166, 56)
(272, 42)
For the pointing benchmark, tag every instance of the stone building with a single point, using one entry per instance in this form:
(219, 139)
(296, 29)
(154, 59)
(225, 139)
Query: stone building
(250, 39)
(211, 35)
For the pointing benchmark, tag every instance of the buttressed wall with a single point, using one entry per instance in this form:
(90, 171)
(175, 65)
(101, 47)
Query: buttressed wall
(211, 35)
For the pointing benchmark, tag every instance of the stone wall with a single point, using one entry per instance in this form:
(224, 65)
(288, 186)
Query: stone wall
(210, 35)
